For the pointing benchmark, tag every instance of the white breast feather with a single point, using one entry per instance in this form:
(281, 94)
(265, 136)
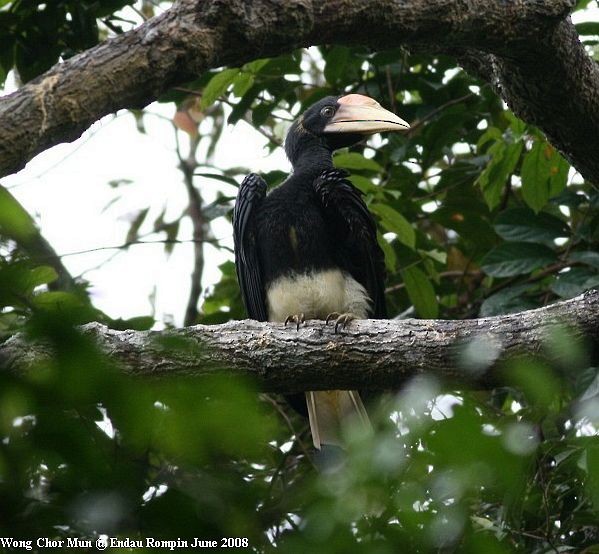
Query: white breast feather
(316, 295)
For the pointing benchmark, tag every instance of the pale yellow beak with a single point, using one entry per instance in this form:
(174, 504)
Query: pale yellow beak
(363, 115)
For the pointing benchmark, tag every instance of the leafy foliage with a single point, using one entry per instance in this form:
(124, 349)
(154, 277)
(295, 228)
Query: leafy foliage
(478, 215)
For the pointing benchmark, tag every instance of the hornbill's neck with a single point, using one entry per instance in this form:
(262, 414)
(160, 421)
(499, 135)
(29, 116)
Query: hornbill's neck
(308, 153)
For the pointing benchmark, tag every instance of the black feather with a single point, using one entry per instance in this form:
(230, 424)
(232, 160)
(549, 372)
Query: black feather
(354, 227)
(250, 196)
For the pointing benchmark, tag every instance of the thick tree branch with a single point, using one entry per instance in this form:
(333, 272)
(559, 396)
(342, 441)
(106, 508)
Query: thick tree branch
(552, 83)
(373, 354)
(528, 49)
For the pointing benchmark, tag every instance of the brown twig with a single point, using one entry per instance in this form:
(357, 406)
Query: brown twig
(445, 274)
(290, 425)
(200, 229)
(390, 89)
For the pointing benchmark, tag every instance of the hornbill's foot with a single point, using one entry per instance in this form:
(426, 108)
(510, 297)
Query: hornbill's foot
(341, 320)
(296, 318)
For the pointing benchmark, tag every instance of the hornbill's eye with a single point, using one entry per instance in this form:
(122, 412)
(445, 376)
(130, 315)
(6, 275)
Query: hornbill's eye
(327, 111)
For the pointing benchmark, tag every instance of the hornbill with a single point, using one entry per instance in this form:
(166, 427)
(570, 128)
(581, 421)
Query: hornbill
(309, 248)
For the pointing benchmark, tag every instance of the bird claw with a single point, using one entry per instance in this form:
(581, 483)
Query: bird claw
(341, 320)
(298, 319)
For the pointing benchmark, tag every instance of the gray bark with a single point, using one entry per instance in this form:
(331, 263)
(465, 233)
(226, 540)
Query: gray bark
(528, 49)
(370, 354)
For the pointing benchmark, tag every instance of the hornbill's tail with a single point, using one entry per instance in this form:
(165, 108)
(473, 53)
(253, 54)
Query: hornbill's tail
(329, 411)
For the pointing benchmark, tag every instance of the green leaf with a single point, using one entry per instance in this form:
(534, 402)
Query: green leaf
(172, 230)
(139, 323)
(574, 282)
(281, 65)
(57, 300)
(507, 301)
(15, 222)
(592, 481)
(355, 160)
(389, 252)
(18, 281)
(256, 65)
(261, 113)
(540, 385)
(559, 174)
(115, 183)
(516, 258)
(243, 106)
(588, 28)
(517, 126)
(587, 257)
(217, 177)
(393, 221)
(435, 254)
(468, 224)
(581, 4)
(217, 86)
(491, 134)
(523, 225)
(242, 83)
(133, 233)
(544, 174)
(41, 275)
(337, 60)
(421, 292)
(498, 171)
(274, 177)
(365, 185)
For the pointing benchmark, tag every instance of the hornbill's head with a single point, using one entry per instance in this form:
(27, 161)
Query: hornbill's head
(339, 121)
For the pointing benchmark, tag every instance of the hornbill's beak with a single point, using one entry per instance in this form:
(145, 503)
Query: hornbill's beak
(363, 115)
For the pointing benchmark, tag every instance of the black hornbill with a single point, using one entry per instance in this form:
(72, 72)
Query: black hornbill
(309, 249)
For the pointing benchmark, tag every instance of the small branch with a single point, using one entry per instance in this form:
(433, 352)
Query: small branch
(391, 90)
(200, 230)
(419, 123)
(126, 245)
(549, 270)
(290, 426)
(443, 275)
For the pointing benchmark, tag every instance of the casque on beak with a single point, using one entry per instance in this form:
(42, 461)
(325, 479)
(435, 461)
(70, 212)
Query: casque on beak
(363, 115)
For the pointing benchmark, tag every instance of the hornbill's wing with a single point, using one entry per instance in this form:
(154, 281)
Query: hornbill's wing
(247, 264)
(354, 227)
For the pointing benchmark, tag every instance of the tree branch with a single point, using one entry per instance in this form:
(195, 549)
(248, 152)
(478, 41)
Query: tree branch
(529, 50)
(372, 354)
(200, 230)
